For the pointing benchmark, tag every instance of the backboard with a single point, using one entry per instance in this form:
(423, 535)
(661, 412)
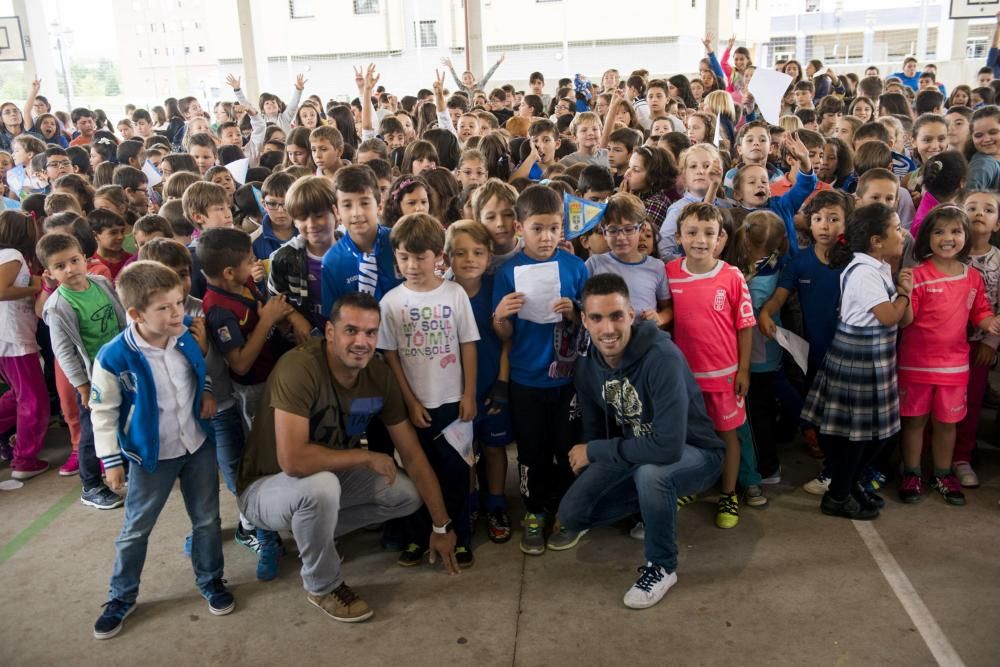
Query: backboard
(11, 39)
(973, 9)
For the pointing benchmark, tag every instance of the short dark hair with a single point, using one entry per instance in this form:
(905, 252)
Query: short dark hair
(80, 112)
(50, 244)
(597, 178)
(418, 233)
(166, 251)
(221, 248)
(872, 130)
(359, 300)
(127, 150)
(927, 101)
(536, 76)
(150, 223)
(604, 284)
(129, 177)
(538, 200)
(141, 114)
(355, 179)
(101, 219)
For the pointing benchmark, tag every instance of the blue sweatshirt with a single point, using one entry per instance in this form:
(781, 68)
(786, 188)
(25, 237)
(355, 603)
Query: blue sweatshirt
(123, 392)
(788, 204)
(266, 243)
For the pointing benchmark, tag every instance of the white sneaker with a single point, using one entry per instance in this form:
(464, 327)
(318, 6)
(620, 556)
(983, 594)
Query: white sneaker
(638, 531)
(652, 584)
(967, 477)
(818, 486)
(774, 478)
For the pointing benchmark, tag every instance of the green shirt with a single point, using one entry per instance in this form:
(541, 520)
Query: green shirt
(96, 313)
(302, 385)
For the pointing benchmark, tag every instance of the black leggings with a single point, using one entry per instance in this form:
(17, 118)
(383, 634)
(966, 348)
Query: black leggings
(848, 459)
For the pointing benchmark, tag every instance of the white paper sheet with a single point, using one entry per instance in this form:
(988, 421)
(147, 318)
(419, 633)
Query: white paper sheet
(459, 435)
(796, 346)
(238, 169)
(718, 129)
(541, 288)
(768, 87)
(153, 176)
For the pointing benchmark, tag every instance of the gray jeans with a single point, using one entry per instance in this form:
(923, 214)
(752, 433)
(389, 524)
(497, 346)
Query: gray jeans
(323, 506)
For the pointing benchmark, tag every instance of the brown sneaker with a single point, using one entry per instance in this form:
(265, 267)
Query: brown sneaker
(343, 604)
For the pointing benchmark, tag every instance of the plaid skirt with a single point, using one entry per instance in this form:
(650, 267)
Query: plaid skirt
(854, 395)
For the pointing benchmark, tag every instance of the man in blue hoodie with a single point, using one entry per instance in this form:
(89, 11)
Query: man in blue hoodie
(648, 436)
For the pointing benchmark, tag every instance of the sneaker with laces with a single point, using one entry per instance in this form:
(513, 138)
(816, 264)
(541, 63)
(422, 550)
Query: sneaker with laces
(220, 600)
(464, 557)
(910, 489)
(342, 604)
(532, 534)
(268, 555)
(652, 584)
(638, 531)
(71, 467)
(29, 469)
(818, 485)
(102, 498)
(411, 556)
(873, 480)
(564, 538)
(950, 489)
(685, 500)
(499, 526)
(112, 618)
(727, 514)
(967, 477)
(246, 538)
(754, 496)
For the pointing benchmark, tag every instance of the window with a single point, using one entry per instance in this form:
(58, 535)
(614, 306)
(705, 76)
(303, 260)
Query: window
(427, 34)
(366, 6)
(301, 9)
(975, 47)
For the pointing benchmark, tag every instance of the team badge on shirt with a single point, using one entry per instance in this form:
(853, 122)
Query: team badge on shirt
(224, 334)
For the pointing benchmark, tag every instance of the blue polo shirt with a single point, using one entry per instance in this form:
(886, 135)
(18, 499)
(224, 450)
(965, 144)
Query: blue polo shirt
(818, 286)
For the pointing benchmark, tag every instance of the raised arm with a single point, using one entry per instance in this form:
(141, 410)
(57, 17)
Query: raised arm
(443, 118)
(486, 77)
(609, 119)
(993, 59)
(371, 80)
(36, 85)
(288, 115)
(458, 82)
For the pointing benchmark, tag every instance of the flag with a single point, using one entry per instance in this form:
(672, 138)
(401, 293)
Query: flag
(768, 88)
(238, 169)
(259, 198)
(581, 215)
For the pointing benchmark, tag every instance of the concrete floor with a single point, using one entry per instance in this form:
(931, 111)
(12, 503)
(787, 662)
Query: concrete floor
(788, 586)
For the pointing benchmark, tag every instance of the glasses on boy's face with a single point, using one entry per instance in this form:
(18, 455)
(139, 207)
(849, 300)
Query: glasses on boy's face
(627, 230)
(274, 205)
(58, 164)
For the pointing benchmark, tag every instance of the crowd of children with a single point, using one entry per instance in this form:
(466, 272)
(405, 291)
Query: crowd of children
(151, 278)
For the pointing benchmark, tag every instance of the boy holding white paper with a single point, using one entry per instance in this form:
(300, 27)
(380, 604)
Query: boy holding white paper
(535, 296)
(428, 334)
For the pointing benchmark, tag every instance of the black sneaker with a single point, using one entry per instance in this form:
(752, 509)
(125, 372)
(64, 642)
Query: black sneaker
(849, 508)
(950, 489)
(246, 538)
(112, 618)
(412, 556)
(102, 498)
(500, 526)
(464, 557)
(220, 600)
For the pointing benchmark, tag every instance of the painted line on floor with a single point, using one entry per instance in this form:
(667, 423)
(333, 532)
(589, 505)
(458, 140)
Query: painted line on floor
(942, 650)
(38, 525)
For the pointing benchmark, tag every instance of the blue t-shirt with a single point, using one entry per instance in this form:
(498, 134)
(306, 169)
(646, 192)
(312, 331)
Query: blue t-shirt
(765, 354)
(818, 286)
(533, 345)
(488, 346)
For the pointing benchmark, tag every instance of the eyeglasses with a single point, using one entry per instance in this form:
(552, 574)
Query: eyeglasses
(276, 205)
(627, 230)
(58, 163)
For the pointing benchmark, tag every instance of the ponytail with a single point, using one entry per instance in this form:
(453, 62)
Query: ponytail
(864, 223)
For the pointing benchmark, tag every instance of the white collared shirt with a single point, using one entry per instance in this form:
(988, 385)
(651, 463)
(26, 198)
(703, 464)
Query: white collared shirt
(180, 432)
(865, 287)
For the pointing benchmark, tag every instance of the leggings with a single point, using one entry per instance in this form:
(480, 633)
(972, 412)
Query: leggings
(848, 459)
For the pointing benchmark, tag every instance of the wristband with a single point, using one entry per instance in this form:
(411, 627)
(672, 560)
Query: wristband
(442, 530)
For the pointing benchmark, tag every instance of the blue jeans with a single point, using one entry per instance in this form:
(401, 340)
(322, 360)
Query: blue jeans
(605, 493)
(229, 443)
(90, 465)
(147, 493)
